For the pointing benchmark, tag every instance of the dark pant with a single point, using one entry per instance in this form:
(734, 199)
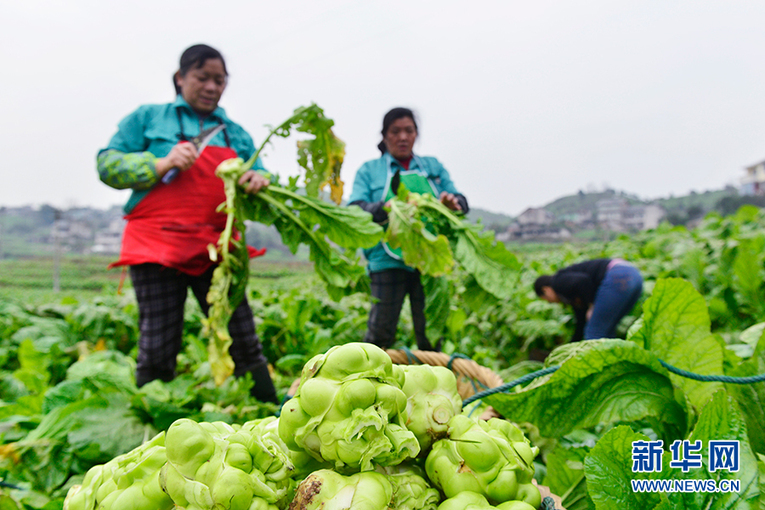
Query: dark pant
(616, 297)
(161, 293)
(389, 288)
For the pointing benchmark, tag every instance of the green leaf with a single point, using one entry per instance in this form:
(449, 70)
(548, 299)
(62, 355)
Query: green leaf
(491, 264)
(748, 273)
(720, 420)
(437, 310)
(599, 382)
(565, 477)
(428, 252)
(299, 220)
(103, 432)
(751, 397)
(432, 238)
(608, 469)
(676, 329)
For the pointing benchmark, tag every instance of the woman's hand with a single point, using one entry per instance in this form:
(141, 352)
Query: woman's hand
(181, 156)
(252, 181)
(450, 201)
(589, 312)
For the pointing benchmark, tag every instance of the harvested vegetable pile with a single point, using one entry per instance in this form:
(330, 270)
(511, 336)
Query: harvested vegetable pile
(360, 433)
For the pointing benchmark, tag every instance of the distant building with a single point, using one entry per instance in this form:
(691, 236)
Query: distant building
(642, 217)
(609, 213)
(615, 214)
(580, 218)
(753, 183)
(109, 241)
(70, 231)
(533, 216)
(529, 231)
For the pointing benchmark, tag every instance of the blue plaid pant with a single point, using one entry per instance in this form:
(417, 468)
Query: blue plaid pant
(161, 293)
(389, 288)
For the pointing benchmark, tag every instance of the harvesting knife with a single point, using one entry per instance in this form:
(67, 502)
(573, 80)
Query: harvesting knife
(200, 142)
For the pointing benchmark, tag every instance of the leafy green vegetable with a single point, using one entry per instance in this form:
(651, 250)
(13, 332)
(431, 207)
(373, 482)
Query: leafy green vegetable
(432, 238)
(608, 468)
(428, 252)
(349, 410)
(599, 382)
(411, 491)
(675, 328)
(565, 476)
(216, 465)
(751, 397)
(432, 401)
(299, 219)
(327, 490)
(492, 458)
(130, 480)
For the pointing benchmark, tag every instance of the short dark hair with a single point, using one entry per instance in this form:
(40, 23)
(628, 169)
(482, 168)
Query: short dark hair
(543, 281)
(194, 57)
(391, 117)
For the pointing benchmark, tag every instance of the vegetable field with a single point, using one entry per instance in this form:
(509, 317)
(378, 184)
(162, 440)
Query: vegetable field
(70, 401)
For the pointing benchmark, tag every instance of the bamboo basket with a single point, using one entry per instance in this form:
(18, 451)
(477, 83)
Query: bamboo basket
(470, 375)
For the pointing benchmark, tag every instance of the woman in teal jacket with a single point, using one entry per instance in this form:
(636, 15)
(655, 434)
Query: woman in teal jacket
(376, 182)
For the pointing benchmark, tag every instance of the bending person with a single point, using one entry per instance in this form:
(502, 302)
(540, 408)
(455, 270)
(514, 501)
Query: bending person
(375, 183)
(601, 292)
(169, 226)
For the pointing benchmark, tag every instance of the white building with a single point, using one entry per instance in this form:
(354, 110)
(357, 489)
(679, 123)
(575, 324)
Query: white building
(753, 183)
(532, 216)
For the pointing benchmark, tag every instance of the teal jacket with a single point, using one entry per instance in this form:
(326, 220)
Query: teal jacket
(370, 186)
(149, 133)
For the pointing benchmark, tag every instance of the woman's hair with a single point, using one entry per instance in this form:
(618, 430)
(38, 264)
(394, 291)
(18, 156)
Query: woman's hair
(391, 117)
(194, 58)
(543, 281)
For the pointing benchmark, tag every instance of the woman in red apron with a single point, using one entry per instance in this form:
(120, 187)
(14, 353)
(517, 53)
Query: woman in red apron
(170, 225)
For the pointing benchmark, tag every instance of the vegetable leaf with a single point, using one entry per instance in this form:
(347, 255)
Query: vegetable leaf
(432, 238)
(299, 219)
(608, 469)
(602, 382)
(676, 329)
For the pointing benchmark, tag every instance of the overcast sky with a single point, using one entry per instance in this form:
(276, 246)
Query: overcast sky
(523, 102)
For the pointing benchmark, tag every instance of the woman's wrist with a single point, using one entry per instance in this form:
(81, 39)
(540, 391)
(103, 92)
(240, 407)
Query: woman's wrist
(161, 166)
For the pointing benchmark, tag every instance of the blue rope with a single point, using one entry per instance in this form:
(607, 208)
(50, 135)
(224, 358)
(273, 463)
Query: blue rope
(548, 504)
(504, 387)
(709, 378)
(412, 358)
(454, 356)
(683, 373)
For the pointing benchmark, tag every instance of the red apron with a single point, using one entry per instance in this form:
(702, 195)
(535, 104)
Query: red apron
(174, 223)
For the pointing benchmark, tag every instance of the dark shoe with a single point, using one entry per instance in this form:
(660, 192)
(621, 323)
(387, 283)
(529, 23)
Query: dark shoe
(146, 376)
(428, 347)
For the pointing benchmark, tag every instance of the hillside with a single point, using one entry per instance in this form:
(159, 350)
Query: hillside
(27, 231)
(586, 201)
(497, 222)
